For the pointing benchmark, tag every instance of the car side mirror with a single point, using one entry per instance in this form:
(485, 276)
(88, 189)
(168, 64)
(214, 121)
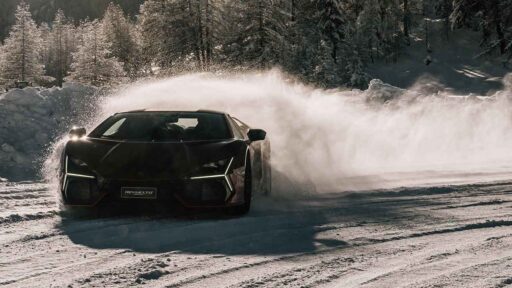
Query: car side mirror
(77, 132)
(256, 135)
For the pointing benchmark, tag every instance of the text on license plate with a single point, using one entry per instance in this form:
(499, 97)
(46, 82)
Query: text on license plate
(138, 192)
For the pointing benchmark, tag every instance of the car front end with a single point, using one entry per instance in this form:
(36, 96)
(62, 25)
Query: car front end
(137, 175)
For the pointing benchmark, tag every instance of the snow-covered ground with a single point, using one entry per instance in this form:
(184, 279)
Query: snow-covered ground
(446, 236)
(311, 232)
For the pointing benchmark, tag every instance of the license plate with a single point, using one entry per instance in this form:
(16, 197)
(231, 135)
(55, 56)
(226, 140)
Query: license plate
(138, 192)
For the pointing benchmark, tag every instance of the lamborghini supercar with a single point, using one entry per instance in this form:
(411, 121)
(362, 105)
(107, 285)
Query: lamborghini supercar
(195, 159)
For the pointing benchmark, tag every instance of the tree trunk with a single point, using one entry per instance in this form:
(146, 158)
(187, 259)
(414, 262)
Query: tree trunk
(501, 38)
(406, 22)
(447, 10)
(23, 51)
(427, 40)
(499, 29)
(208, 35)
(194, 34)
(60, 55)
(201, 36)
(261, 32)
(95, 59)
(334, 52)
(292, 11)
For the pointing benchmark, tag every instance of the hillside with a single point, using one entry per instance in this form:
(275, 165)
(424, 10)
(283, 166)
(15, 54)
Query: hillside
(455, 66)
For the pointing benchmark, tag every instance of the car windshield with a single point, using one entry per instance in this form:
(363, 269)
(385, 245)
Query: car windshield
(163, 127)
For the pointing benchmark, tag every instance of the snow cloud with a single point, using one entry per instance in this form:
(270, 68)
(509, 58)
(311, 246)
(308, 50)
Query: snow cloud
(333, 139)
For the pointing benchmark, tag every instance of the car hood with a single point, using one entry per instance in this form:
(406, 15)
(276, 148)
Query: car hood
(149, 160)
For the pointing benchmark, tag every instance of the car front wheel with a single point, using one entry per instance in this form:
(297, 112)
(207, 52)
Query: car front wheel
(244, 208)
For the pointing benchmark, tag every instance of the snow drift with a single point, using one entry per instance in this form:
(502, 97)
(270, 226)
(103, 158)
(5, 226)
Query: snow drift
(30, 120)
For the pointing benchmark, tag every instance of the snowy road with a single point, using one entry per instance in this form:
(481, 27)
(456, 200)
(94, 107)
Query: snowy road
(456, 236)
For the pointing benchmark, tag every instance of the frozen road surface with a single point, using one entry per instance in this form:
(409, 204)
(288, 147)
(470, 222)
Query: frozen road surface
(456, 236)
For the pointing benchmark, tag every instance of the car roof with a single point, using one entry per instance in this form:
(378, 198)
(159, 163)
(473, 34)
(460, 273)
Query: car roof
(173, 111)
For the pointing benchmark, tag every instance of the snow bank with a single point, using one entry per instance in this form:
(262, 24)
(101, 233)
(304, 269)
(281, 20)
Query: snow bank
(32, 118)
(379, 91)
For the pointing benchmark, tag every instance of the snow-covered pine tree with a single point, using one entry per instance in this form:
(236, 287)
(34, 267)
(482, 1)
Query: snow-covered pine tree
(289, 36)
(491, 17)
(142, 62)
(331, 21)
(92, 63)
(494, 22)
(282, 32)
(120, 35)
(305, 47)
(368, 29)
(254, 32)
(406, 20)
(258, 34)
(326, 71)
(443, 9)
(207, 24)
(171, 33)
(45, 32)
(463, 10)
(390, 17)
(21, 58)
(61, 43)
(353, 60)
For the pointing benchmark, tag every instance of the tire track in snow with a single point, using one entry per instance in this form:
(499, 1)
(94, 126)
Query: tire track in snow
(275, 264)
(364, 228)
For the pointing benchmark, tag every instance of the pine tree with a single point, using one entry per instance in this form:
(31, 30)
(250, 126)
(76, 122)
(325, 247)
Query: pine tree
(120, 36)
(368, 29)
(21, 59)
(92, 63)
(406, 20)
(331, 22)
(205, 23)
(390, 17)
(171, 34)
(443, 9)
(305, 47)
(180, 33)
(61, 43)
(492, 17)
(260, 33)
(45, 32)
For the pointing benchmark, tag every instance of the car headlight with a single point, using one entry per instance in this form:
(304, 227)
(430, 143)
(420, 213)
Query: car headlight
(78, 166)
(215, 167)
(77, 162)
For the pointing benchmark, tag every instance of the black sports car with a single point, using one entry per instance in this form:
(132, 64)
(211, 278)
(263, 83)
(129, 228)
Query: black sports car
(196, 159)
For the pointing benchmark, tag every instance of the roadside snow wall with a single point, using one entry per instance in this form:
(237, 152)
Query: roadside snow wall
(32, 118)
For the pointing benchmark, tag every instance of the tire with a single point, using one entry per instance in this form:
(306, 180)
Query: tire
(248, 187)
(267, 178)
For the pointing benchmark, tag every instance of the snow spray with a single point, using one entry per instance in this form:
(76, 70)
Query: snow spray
(336, 140)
